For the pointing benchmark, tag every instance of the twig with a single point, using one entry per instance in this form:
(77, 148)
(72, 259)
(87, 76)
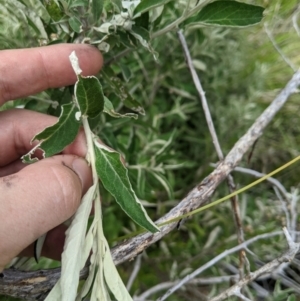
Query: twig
(241, 296)
(294, 212)
(213, 261)
(198, 281)
(31, 285)
(201, 93)
(284, 205)
(258, 174)
(267, 268)
(211, 127)
(260, 291)
(136, 269)
(13, 286)
(277, 186)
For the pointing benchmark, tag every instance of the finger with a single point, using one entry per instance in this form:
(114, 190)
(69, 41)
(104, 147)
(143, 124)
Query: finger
(18, 127)
(38, 198)
(27, 71)
(53, 245)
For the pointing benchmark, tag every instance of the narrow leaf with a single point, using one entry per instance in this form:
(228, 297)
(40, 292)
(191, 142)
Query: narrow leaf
(165, 183)
(147, 5)
(97, 7)
(110, 110)
(114, 176)
(38, 246)
(72, 261)
(121, 91)
(89, 95)
(55, 138)
(113, 279)
(38, 7)
(228, 13)
(75, 24)
(55, 293)
(99, 290)
(89, 243)
(78, 3)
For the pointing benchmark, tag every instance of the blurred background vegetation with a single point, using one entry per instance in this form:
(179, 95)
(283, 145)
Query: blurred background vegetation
(169, 150)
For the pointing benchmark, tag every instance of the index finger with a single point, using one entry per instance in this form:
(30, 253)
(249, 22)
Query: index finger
(28, 71)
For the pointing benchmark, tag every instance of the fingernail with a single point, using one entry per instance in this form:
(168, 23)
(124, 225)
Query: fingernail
(82, 169)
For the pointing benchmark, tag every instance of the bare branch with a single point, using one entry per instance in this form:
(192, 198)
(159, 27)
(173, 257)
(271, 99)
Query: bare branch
(286, 257)
(211, 127)
(198, 281)
(267, 268)
(277, 186)
(136, 269)
(32, 285)
(241, 296)
(201, 93)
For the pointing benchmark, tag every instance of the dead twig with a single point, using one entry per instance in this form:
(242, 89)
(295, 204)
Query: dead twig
(216, 259)
(230, 181)
(267, 268)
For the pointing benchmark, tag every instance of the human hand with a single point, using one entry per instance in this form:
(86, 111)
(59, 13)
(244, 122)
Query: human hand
(39, 197)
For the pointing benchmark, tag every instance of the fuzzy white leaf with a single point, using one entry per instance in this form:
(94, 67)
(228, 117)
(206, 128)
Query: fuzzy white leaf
(93, 264)
(55, 293)
(105, 27)
(99, 292)
(88, 243)
(72, 261)
(130, 4)
(113, 279)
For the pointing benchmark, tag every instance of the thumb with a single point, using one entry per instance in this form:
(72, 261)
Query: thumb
(37, 199)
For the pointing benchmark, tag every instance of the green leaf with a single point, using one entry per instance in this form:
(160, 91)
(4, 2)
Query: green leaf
(54, 10)
(89, 95)
(110, 110)
(78, 3)
(38, 7)
(117, 5)
(292, 298)
(126, 72)
(75, 24)
(121, 91)
(114, 177)
(143, 36)
(228, 13)
(147, 5)
(97, 7)
(127, 40)
(55, 138)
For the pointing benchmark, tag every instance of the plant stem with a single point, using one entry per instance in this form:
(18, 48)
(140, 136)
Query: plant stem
(90, 156)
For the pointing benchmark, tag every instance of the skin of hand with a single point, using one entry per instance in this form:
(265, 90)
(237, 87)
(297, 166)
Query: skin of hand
(38, 198)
